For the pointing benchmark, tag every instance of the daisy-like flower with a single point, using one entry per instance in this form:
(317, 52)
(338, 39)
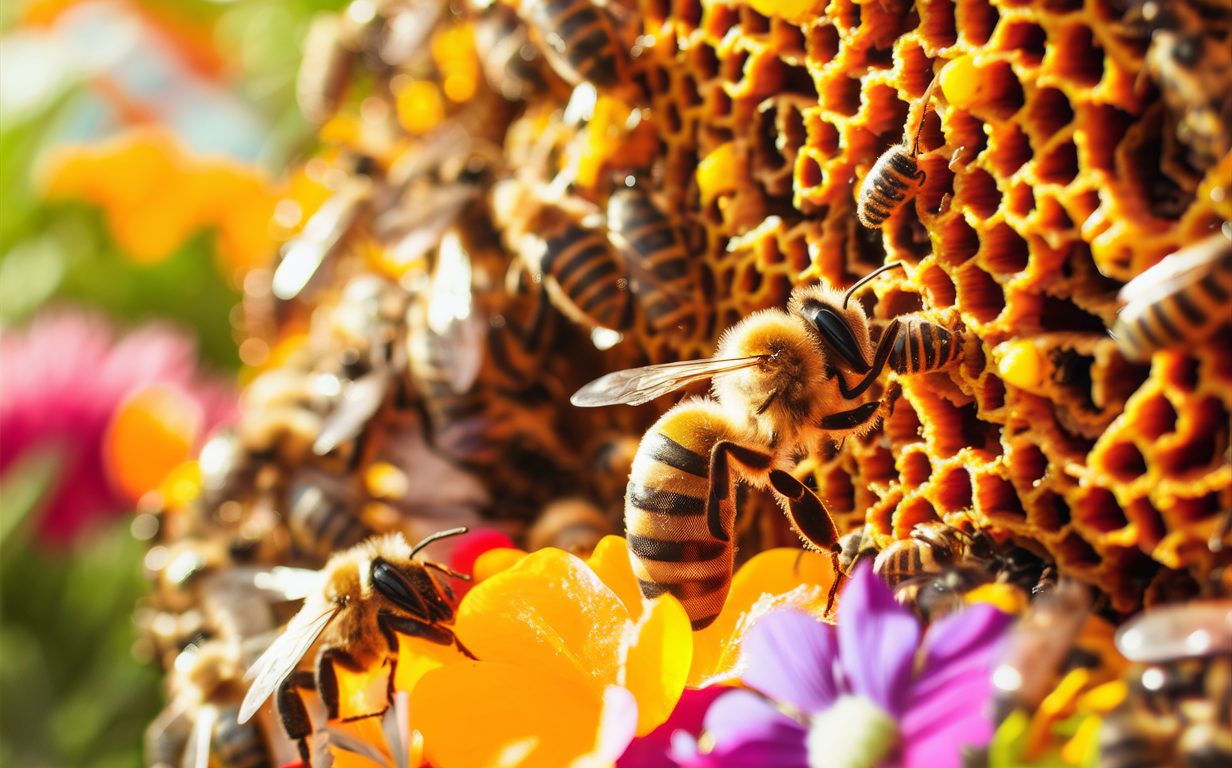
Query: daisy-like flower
(67, 384)
(863, 694)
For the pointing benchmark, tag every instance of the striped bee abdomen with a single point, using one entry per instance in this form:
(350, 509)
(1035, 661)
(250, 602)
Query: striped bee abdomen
(580, 40)
(922, 346)
(320, 522)
(670, 543)
(908, 559)
(893, 180)
(589, 278)
(1172, 316)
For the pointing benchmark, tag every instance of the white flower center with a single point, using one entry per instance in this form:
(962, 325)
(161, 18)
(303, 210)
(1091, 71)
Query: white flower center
(854, 733)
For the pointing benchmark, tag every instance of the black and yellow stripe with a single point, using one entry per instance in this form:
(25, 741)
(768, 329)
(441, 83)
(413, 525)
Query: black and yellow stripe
(665, 282)
(909, 558)
(589, 278)
(922, 346)
(894, 178)
(671, 545)
(1189, 315)
(320, 523)
(580, 40)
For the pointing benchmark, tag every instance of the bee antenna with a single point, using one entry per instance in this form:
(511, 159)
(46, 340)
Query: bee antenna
(437, 537)
(869, 277)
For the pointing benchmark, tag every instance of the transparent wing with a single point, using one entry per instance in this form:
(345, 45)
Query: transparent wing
(281, 658)
(359, 402)
(197, 753)
(290, 583)
(641, 385)
(1177, 270)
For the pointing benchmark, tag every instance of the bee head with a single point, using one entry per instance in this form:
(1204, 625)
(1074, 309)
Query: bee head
(842, 332)
(401, 586)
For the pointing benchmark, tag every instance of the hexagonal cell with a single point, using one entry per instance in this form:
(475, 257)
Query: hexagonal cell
(973, 360)
(1021, 199)
(1191, 510)
(1181, 372)
(1059, 166)
(842, 95)
(1077, 55)
(808, 172)
(979, 294)
(1049, 112)
(995, 497)
(991, 394)
(903, 426)
(1003, 250)
(732, 67)
(938, 183)
(1009, 150)
(1050, 512)
(1005, 95)
(911, 513)
(977, 189)
(878, 466)
(952, 491)
(752, 22)
(976, 19)
(1105, 126)
(719, 19)
(823, 44)
(965, 132)
(1206, 434)
(704, 60)
(886, 114)
(688, 12)
(914, 468)
(1053, 215)
(1025, 37)
(1098, 509)
(1124, 462)
(837, 490)
(938, 27)
(1154, 417)
(957, 241)
(938, 286)
(1074, 551)
(823, 135)
(1142, 513)
(1027, 464)
(718, 103)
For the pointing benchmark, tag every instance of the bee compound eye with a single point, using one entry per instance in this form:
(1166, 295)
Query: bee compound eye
(1188, 50)
(393, 585)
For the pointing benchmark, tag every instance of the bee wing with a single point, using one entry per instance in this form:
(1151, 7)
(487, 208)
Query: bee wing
(303, 256)
(281, 658)
(641, 385)
(1177, 270)
(290, 583)
(197, 752)
(359, 402)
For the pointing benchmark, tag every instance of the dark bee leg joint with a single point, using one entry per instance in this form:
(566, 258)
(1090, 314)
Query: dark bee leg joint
(327, 677)
(720, 479)
(291, 709)
(851, 419)
(806, 512)
(884, 346)
(411, 627)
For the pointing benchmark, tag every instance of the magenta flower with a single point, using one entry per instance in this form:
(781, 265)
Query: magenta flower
(61, 380)
(863, 694)
(653, 749)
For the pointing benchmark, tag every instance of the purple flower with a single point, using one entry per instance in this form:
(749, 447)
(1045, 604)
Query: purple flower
(865, 693)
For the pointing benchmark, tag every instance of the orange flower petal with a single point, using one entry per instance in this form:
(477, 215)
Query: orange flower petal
(484, 715)
(550, 614)
(494, 561)
(775, 579)
(658, 662)
(151, 434)
(362, 693)
(417, 657)
(610, 562)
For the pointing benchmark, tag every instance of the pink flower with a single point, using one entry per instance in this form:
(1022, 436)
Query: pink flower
(62, 380)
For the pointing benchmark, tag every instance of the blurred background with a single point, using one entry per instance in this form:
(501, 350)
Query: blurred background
(145, 148)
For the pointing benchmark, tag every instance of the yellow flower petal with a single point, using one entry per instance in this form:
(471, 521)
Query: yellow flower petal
(494, 561)
(484, 715)
(658, 662)
(549, 614)
(610, 562)
(151, 434)
(775, 579)
(417, 657)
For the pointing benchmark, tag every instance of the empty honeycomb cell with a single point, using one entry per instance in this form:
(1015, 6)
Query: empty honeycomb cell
(1021, 199)
(952, 490)
(973, 360)
(880, 515)
(916, 67)
(979, 295)
(1191, 510)
(1098, 510)
(1049, 112)
(932, 137)
(1077, 55)
(991, 394)
(977, 19)
(903, 426)
(1054, 216)
(790, 40)
(719, 19)
(1058, 314)
(911, 513)
(808, 172)
(1124, 462)
(938, 183)
(977, 190)
(1143, 514)
(846, 14)
(718, 103)
(995, 498)
(1082, 204)
(688, 90)
(908, 237)
(1059, 166)
(1105, 126)
(886, 115)
(688, 13)
(1023, 37)
(943, 426)
(1074, 551)
(896, 303)
(705, 61)
(752, 22)
(842, 95)
(797, 80)
(822, 135)
(1181, 372)
(1009, 149)
(1205, 429)
(956, 241)
(823, 44)
(966, 133)
(732, 67)
(673, 121)
(914, 469)
(1050, 512)
(938, 286)
(837, 490)
(1063, 6)
(878, 465)
(1003, 94)
(1003, 250)
(1028, 465)
(938, 27)
(1155, 417)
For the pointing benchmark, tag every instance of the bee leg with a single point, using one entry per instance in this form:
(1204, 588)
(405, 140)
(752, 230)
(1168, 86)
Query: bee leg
(293, 713)
(885, 345)
(811, 520)
(463, 649)
(721, 480)
(327, 676)
(844, 420)
(412, 627)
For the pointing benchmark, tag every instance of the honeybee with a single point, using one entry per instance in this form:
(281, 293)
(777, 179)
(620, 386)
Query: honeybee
(364, 597)
(574, 525)
(325, 72)
(780, 387)
(324, 513)
(579, 40)
(510, 60)
(585, 277)
(665, 279)
(896, 176)
(321, 236)
(1181, 301)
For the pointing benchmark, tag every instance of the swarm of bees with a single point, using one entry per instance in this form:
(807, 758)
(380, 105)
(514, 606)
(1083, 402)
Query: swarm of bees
(969, 335)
